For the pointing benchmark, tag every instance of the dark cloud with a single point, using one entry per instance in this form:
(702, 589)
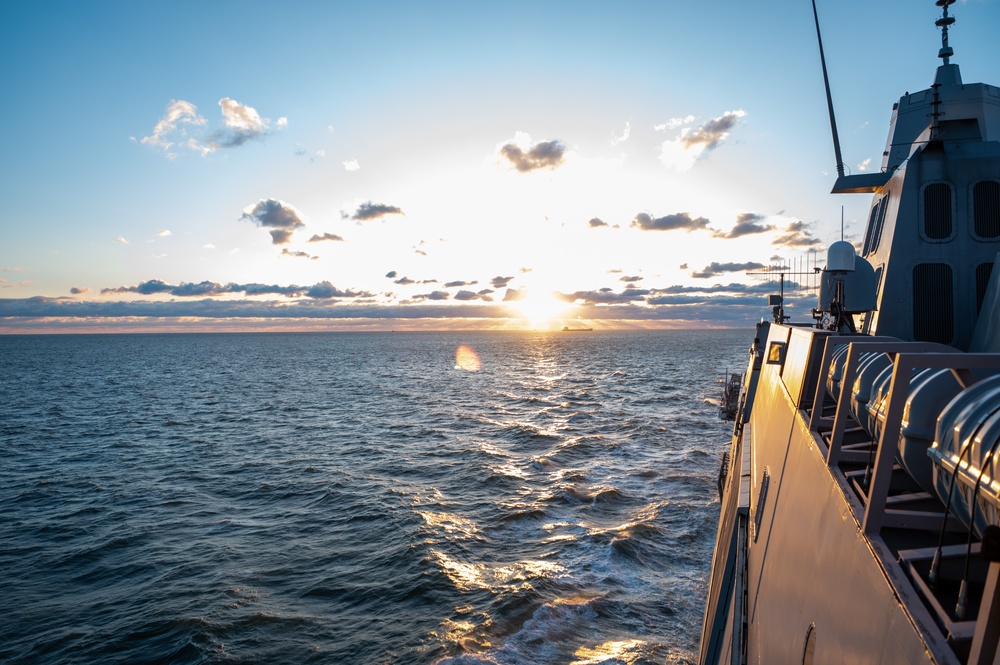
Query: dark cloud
(277, 215)
(41, 306)
(368, 211)
(730, 305)
(542, 155)
(450, 285)
(146, 288)
(513, 295)
(712, 132)
(684, 266)
(326, 236)
(467, 295)
(298, 255)
(499, 282)
(325, 290)
(680, 220)
(630, 278)
(747, 223)
(732, 288)
(271, 289)
(404, 281)
(715, 268)
(597, 222)
(391, 274)
(606, 296)
(201, 289)
(206, 288)
(79, 290)
(796, 234)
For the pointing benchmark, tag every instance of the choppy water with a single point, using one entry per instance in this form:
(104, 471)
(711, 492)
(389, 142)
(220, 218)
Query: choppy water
(356, 498)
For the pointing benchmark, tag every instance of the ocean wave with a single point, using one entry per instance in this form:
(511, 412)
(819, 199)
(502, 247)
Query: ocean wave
(353, 499)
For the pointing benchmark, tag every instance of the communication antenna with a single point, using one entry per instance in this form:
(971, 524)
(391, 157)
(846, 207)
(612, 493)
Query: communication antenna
(829, 97)
(778, 273)
(946, 51)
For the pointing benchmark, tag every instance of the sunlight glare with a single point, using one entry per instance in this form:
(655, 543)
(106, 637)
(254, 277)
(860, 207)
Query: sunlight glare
(467, 359)
(541, 308)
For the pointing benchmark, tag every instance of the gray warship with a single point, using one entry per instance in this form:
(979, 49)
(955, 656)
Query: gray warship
(860, 495)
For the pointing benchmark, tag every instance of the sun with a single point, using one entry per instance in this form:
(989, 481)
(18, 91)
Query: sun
(541, 308)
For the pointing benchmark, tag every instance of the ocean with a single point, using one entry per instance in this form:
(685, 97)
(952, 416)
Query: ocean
(359, 497)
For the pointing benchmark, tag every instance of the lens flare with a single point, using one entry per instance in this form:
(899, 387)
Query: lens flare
(467, 359)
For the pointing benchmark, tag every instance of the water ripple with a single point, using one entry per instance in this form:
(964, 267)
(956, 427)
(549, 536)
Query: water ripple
(354, 498)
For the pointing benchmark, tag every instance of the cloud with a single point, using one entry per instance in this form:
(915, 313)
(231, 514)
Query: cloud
(121, 240)
(79, 290)
(326, 236)
(715, 268)
(450, 285)
(404, 281)
(606, 296)
(863, 166)
(747, 223)
(163, 233)
(674, 123)
(499, 282)
(681, 152)
(179, 112)
(277, 215)
(434, 295)
(615, 140)
(351, 165)
(369, 211)
(727, 305)
(680, 220)
(325, 290)
(596, 222)
(513, 295)
(391, 274)
(299, 255)
(630, 278)
(322, 290)
(527, 157)
(796, 234)
(190, 290)
(465, 295)
(240, 123)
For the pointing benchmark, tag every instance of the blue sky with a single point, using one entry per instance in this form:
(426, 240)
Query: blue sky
(392, 165)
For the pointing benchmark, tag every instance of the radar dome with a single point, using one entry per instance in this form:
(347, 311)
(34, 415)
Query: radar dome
(840, 257)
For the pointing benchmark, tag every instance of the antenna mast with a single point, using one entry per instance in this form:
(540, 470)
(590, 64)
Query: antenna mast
(829, 97)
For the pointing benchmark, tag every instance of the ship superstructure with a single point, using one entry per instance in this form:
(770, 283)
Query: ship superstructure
(860, 498)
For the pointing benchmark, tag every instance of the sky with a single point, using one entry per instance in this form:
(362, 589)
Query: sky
(440, 165)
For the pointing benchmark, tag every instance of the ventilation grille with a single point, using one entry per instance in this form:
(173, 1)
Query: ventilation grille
(937, 211)
(933, 303)
(983, 273)
(986, 205)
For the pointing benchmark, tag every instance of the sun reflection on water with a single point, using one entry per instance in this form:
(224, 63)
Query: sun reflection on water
(496, 578)
(615, 651)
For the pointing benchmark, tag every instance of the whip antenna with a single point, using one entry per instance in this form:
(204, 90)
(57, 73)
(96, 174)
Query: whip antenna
(829, 97)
